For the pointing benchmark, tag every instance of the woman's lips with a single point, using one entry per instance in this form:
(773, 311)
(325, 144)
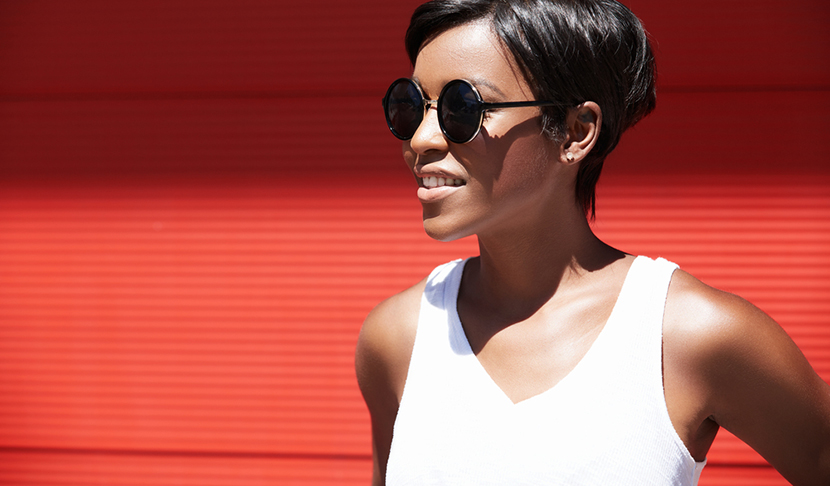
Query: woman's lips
(432, 194)
(434, 188)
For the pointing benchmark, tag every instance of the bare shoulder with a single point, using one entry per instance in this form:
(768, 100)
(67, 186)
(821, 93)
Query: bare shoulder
(710, 327)
(708, 321)
(731, 363)
(385, 343)
(384, 349)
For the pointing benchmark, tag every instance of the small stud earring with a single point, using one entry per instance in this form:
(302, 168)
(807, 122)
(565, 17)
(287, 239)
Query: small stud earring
(570, 157)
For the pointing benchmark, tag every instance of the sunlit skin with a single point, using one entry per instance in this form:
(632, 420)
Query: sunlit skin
(544, 285)
(510, 181)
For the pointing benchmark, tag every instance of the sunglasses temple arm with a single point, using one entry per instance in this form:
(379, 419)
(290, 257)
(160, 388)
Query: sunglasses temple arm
(519, 104)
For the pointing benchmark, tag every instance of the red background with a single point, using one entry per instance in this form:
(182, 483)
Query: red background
(200, 202)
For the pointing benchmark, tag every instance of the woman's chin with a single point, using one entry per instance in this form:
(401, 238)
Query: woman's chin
(443, 230)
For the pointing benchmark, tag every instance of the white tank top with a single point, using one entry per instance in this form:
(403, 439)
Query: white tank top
(605, 423)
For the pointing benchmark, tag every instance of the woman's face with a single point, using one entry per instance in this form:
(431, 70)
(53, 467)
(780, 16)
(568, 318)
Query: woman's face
(510, 175)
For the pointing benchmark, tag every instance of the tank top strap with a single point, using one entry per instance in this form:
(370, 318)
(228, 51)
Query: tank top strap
(636, 323)
(646, 287)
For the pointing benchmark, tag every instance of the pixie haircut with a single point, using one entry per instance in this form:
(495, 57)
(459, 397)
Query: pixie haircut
(570, 52)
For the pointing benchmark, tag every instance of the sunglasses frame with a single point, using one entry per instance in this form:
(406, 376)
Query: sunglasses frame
(483, 107)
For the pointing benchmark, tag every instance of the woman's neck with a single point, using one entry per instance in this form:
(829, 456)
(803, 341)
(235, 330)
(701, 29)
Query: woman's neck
(519, 271)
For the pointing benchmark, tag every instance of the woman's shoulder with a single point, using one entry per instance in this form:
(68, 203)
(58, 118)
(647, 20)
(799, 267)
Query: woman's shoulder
(386, 339)
(708, 320)
(384, 348)
(395, 317)
(390, 326)
(710, 329)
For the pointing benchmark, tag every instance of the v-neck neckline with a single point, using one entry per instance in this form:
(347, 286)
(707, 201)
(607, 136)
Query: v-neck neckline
(458, 328)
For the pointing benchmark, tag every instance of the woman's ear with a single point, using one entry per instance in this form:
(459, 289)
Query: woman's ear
(583, 124)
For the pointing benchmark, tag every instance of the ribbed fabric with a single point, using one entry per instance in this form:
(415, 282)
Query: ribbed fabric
(606, 422)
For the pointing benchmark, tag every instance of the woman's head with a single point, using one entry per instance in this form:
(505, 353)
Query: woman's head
(570, 52)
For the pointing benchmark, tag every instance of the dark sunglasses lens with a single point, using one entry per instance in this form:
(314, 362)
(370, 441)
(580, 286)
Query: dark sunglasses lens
(460, 110)
(404, 107)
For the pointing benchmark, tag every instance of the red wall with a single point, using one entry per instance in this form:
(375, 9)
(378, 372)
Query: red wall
(200, 201)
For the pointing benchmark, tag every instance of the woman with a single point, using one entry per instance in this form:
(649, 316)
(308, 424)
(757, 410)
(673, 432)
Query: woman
(553, 358)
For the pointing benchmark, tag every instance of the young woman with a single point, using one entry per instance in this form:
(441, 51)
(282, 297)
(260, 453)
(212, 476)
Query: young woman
(553, 358)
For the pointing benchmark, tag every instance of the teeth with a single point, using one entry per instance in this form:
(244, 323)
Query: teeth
(433, 181)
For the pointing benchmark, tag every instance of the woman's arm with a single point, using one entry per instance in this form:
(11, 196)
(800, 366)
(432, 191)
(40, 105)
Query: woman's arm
(384, 348)
(728, 362)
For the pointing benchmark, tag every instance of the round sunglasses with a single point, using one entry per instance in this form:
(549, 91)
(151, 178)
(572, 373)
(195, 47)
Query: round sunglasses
(460, 109)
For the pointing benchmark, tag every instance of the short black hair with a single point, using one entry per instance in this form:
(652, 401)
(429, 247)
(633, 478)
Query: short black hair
(570, 52)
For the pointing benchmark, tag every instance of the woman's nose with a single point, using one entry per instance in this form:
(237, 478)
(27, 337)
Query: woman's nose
(428, 136)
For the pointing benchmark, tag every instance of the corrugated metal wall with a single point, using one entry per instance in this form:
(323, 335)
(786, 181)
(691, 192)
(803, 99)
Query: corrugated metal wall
(199, 203)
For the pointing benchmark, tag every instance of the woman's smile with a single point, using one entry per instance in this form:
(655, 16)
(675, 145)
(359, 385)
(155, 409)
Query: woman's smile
(434, 185)
(428, 192)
